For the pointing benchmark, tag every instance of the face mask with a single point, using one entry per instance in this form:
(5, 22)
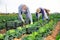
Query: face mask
(24, 10)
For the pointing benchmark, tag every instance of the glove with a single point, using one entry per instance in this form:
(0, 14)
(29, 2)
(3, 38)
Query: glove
(23, 21)
(31, 22)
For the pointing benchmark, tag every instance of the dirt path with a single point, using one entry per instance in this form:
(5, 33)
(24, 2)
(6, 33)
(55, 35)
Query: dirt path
(54, 32)
(2, 31)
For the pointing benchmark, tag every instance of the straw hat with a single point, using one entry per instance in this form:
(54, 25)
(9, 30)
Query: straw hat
(38, 10)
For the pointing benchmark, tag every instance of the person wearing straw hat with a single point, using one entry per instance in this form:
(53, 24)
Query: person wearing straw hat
(44, 12)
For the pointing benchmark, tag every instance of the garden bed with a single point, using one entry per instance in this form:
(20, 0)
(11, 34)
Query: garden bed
(55, 32)
(39, 30)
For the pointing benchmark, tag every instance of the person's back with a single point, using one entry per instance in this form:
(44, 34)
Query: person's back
(47, 11)
(44, 13)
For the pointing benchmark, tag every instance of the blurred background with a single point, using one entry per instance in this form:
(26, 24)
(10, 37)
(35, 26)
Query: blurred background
(10, 6)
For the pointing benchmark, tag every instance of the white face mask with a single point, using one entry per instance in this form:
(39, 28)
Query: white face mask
(24, 10)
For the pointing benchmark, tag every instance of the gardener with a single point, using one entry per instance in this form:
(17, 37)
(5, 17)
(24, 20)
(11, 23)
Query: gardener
(45, 13)
(23, 9)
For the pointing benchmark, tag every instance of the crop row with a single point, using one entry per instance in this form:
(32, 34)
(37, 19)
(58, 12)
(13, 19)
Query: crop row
(36, 31)
(42, 32)
(10, 18)
(40, 27)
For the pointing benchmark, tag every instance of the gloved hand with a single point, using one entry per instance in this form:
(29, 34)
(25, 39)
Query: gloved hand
(23, 22)
(31, 22)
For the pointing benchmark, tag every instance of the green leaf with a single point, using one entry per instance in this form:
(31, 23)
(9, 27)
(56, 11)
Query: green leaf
(1, 36)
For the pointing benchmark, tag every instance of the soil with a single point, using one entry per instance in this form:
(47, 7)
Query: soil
(54, 33)
(2, 31)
